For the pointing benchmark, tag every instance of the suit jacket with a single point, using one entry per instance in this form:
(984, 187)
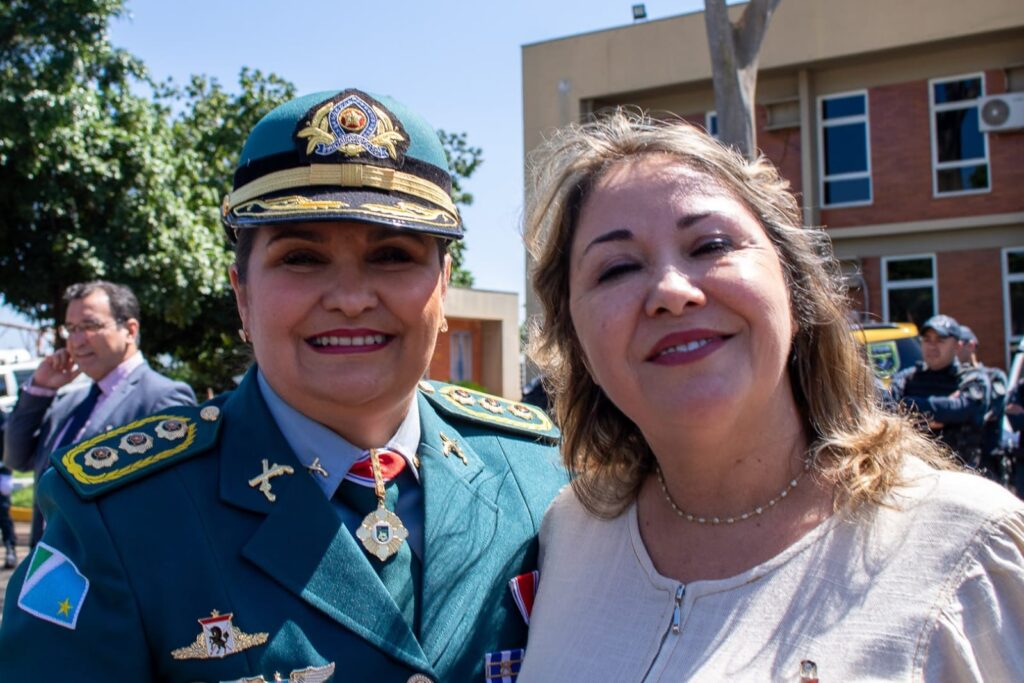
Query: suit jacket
(36, 421)
(170, 536)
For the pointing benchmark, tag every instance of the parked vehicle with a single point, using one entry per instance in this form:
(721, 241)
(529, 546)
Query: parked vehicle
(890, 347)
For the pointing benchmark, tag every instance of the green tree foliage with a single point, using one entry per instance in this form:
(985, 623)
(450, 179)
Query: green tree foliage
(463, 160)
(100, 181)
(93, 180)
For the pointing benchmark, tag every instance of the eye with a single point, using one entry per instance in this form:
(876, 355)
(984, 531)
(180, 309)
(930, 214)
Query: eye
(719, 244)
(390, 254)
(615, 271)
(302, 257)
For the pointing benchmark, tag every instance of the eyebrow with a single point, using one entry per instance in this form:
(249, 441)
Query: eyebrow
(624, 234)
(295, 233)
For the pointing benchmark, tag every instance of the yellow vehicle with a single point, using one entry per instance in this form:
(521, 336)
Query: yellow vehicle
(891, 347)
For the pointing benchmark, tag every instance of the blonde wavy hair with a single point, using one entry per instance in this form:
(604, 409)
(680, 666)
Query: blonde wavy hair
(856, 444)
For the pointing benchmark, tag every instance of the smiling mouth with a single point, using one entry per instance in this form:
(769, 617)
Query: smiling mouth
(684, 348)
(360, 342)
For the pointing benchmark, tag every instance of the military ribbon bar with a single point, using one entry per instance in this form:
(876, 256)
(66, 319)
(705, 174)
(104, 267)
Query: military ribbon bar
(524, 588)
(503, 666)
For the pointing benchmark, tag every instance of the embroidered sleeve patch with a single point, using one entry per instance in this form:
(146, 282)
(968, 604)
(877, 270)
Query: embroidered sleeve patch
(54, 590)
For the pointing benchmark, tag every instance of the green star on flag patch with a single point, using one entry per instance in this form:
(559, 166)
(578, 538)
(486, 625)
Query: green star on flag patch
(54, 590)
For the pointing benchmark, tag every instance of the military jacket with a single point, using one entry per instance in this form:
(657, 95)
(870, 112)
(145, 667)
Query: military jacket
(170, 555)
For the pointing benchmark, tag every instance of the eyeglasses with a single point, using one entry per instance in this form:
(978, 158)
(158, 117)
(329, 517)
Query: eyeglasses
(87, 327)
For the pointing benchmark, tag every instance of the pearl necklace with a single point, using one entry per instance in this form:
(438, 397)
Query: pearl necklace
(732, 520)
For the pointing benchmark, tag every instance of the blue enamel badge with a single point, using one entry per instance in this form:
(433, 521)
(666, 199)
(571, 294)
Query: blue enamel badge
(54, 590)
(503, 666)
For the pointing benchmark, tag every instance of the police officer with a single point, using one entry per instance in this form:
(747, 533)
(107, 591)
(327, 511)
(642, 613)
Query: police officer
(995, 462)
(336, 514)
(953, 398)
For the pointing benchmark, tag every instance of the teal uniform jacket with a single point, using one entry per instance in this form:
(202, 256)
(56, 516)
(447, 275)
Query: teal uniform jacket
(178, 533)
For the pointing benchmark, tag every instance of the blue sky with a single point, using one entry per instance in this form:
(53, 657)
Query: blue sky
(456, 62)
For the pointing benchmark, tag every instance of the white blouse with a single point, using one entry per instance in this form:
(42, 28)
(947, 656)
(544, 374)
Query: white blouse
(933, 590)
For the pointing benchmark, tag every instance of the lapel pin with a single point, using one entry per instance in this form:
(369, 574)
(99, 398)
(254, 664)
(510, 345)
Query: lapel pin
(808, 672)
(317, 468)
(262, 481)
(218, 639)
(448, 447)
(210, 413)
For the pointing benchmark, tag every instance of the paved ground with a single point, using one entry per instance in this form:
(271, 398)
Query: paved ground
(22, 531)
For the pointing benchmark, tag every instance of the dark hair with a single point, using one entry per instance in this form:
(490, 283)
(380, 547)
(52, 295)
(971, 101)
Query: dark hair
(247, 236)
(123, 304)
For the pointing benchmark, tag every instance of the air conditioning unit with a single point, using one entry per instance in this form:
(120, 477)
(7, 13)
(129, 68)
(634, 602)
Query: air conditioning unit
(1001, 112)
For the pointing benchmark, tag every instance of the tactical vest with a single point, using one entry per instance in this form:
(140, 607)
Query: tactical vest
(964, 439)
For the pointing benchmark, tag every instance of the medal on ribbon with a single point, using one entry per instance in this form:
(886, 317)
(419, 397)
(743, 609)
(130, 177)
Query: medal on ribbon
(382, 532)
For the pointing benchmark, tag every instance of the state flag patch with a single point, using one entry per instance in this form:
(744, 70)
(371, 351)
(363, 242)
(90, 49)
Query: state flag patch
(54, 590)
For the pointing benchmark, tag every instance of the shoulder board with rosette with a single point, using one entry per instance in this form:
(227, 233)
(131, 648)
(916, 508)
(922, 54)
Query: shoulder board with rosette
(111, 460)
(492, 411)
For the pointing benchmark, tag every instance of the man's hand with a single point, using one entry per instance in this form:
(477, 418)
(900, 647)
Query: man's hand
(1014, 409)
(55, 371)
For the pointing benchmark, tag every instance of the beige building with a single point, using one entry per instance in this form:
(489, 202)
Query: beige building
(873, 109)
(481, 345)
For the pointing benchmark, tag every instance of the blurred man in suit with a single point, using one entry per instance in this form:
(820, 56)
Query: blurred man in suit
(101, 330)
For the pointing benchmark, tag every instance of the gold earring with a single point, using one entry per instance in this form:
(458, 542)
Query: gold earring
(244, 336)
(444, 324)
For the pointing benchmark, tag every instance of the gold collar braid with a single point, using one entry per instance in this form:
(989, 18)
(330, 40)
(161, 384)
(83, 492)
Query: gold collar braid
(343, 175)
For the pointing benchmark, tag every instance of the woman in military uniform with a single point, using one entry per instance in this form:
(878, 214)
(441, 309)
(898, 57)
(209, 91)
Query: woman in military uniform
(336, 514)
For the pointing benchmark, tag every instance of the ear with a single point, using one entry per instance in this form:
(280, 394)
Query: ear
(132, 326)
(241, 296)
(446, 275)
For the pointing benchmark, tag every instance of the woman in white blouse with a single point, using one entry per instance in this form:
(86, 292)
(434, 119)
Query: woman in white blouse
(743, 507)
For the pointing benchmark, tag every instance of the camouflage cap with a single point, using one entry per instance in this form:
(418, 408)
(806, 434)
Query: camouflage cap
(944, 326)
(345, 155)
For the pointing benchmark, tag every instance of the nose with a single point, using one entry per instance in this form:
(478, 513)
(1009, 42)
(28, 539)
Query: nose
(351, 292)
(672, 292)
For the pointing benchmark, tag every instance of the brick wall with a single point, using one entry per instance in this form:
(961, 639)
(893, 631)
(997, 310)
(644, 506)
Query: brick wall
(970, 289)
(441, 362)
(901, 166)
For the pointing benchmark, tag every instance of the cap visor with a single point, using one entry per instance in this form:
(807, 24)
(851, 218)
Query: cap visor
(333, 204)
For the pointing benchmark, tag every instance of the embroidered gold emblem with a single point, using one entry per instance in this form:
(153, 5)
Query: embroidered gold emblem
(352, 127)
(448, 446)
(218, 639)
(262, 481)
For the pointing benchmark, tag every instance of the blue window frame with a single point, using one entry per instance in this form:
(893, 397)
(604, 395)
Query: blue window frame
(845, 149)
(959, 148)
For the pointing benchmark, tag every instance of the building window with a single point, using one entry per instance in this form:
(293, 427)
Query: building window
(461, 356)
(1013, 297)
(711, 124)
(908, 289)
(845, 149)
(959, 148)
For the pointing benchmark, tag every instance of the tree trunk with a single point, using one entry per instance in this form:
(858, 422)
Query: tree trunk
(734, 50)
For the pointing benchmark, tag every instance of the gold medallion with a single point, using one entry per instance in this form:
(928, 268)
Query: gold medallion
(382, 533)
